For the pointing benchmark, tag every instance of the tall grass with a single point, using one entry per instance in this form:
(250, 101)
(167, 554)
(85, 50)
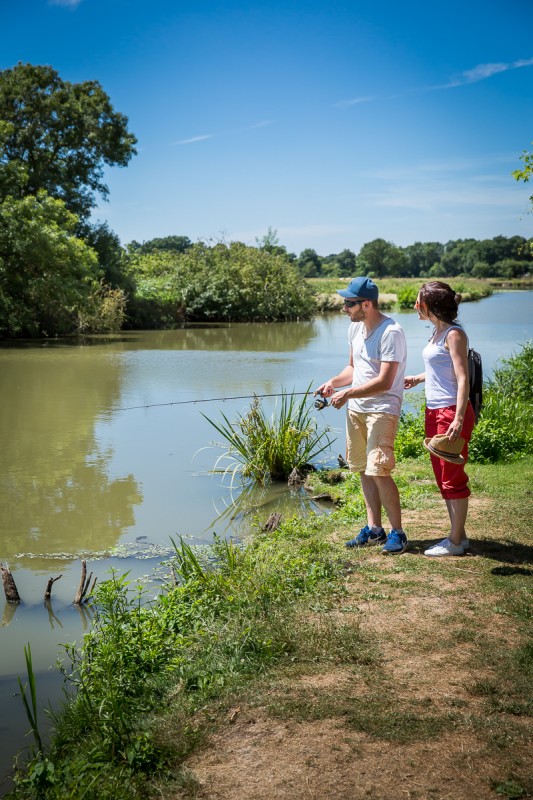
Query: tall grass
(232, 615)
(269, 448)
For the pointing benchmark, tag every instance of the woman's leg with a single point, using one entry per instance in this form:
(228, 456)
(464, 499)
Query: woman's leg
(457, 509)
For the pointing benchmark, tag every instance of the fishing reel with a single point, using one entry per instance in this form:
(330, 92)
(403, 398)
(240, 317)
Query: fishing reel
(321, 403)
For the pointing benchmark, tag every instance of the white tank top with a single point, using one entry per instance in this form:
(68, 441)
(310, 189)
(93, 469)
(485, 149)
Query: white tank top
(441, 383)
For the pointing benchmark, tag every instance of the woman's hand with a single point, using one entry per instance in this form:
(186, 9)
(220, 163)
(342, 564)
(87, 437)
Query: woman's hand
(454, 431)
(410, 381)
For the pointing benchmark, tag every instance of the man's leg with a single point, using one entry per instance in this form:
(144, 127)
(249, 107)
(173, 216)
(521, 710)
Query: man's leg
(356, 454)
(389, 498)
(372, 499)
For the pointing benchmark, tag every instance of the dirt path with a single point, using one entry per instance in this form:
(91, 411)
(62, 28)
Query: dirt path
(412, 721)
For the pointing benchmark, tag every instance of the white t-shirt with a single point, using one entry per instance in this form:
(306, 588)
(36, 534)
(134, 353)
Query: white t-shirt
(385, 343)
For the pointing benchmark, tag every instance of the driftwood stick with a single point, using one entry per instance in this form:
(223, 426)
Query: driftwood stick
(79, 593)
(84, 584)
(51, 581)
(10, 587)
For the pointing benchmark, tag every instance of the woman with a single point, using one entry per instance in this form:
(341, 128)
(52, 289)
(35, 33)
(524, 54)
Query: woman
(449, 412)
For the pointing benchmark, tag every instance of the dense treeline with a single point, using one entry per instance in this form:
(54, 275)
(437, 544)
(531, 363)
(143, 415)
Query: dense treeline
(60, 273)
(500, 257)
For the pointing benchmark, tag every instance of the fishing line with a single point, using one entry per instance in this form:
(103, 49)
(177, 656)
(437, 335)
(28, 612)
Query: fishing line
(319, 403)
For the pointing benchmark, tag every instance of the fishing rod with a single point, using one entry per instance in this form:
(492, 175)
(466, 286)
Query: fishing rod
(320, 402)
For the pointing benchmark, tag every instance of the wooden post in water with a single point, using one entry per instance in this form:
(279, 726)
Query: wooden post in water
(51, 581)
(10, 587)
(84, 584)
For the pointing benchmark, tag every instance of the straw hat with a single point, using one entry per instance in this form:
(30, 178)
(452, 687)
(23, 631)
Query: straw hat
(442, 447)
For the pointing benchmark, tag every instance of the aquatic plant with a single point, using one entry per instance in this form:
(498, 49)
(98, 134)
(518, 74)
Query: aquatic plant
(268, 449)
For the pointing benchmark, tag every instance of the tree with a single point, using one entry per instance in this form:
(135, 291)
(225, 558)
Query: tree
(339, 264)
(421, 256)
(525, 174)
(48, 276)
(382, 258)
(58, 136)
(309, 263)
(173, 244)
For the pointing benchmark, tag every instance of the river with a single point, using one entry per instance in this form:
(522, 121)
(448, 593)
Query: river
(97, 461)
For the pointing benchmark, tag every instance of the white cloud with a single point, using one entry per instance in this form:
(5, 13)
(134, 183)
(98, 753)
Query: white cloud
(441, 199)
(194, 139)
(483, 71)
(353, 102)
(259, 124)
(64, 3)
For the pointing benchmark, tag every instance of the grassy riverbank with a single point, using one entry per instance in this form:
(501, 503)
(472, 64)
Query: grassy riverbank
(296, 668)
(395, 292)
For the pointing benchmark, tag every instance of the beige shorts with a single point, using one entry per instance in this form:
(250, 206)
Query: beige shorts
(370, 442)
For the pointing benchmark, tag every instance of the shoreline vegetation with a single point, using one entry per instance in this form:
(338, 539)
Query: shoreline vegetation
(98, 286)
(286, 665)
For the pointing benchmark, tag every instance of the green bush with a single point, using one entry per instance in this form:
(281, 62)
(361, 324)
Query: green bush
(407, 296)
(224, 282)
(504, 431)
(408, 443)
(514, 378)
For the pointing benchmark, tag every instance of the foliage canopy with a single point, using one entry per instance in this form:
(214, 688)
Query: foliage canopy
(57, 136)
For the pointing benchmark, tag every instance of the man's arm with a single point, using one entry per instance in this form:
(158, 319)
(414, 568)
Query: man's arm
(381, 383)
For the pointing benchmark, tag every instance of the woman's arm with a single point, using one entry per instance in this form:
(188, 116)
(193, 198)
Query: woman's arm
(410, 381)
(456, 343)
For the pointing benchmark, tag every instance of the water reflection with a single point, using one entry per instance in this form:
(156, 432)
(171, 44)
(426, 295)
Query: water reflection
(52, 618)
(239, 336)
(55, 491)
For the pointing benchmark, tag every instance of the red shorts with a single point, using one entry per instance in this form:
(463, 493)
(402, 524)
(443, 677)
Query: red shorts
(452, 479)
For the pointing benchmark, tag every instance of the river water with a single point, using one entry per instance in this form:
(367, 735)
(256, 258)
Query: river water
(96, 463)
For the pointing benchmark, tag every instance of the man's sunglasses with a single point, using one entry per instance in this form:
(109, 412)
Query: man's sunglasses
(352, 303)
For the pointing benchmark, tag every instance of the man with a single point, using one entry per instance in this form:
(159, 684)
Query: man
(374, 374)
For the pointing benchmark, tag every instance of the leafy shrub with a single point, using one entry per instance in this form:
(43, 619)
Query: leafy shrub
(408, 443)
(515, 377)
(407, 296)
(224, 282)
(504, 431)
(108, 312)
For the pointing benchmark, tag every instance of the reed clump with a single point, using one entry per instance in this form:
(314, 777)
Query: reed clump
(264, 448)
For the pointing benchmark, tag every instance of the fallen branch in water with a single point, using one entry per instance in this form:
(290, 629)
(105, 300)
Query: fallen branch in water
(51, 581)
(10, 587)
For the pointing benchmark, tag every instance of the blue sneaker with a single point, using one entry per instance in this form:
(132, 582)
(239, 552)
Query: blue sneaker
(396, 543)
(367, 536)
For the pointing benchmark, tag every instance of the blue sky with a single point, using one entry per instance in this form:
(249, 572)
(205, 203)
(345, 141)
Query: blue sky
(333, 123)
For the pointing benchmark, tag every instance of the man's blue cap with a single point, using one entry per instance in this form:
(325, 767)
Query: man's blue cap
(360, 288)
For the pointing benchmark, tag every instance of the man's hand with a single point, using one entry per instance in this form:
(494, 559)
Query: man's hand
(410, 381)
(339, 399)
(326, 390)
